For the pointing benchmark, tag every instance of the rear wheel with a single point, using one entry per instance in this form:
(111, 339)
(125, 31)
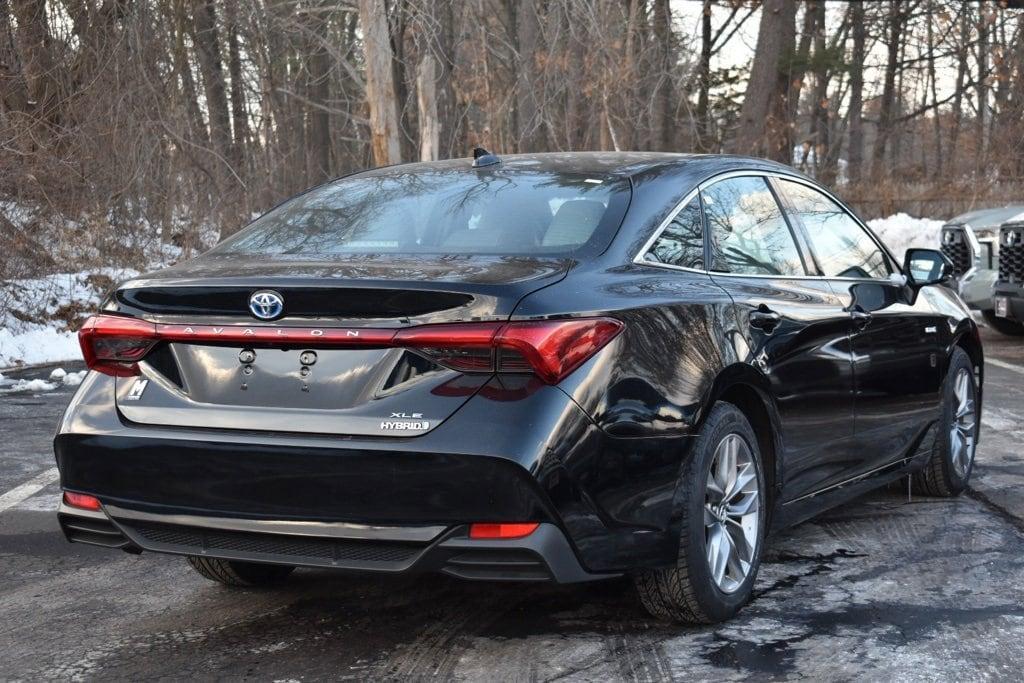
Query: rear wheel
(723, 527)
(1011, 328)
(949, 468)
(245, 574)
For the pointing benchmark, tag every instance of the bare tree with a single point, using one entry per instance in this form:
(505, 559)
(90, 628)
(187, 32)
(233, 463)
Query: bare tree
(380, 83)
(764, 122)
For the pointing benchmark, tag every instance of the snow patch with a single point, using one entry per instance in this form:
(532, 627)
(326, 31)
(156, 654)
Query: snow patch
(73, 379)
(10, 386)
(901, 232)
(36, 343)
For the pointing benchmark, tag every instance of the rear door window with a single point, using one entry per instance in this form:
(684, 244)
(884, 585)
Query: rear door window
(840, 244)
(747, 230)
(681, 243)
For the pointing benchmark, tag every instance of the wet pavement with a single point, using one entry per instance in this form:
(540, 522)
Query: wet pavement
(880, 588)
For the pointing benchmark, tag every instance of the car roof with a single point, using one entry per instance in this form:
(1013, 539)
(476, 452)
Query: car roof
(626, 164)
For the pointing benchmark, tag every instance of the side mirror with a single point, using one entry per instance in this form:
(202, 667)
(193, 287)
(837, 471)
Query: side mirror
(926, 267)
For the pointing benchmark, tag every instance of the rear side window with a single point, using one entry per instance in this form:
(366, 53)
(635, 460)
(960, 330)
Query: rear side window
(681, 243)
(442, 211)
(748, 232)
(840, 244)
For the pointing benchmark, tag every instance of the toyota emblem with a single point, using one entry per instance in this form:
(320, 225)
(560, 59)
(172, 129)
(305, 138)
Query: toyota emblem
(266, 304)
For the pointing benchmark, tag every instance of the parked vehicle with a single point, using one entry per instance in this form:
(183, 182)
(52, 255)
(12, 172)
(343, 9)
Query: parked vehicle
(1008, 294)
(971, 241)
(550, 367)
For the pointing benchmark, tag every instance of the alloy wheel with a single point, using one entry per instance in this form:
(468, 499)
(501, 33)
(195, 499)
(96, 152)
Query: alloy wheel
(731, 513)
(961, 431)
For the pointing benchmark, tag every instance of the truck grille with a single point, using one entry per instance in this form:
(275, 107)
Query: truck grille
(1011, 254)
(956, 247)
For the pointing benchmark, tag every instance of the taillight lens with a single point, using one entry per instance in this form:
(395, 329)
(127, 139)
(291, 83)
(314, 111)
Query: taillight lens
(553, 348)
(114, 345)
(465, 347)
(550, 349)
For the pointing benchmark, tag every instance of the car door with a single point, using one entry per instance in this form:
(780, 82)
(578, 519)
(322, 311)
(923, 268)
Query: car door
(794, 327)
(893, 337)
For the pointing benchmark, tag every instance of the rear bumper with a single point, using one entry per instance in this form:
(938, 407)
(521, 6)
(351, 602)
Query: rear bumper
(544, 555)
(534, 457)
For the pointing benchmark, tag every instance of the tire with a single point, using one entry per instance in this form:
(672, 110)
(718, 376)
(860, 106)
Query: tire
(240, 574)
(1011, 328)
(944, 475)
(688, 592)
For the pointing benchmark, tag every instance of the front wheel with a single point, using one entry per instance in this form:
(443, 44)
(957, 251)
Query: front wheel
(723, 527)
(949, 468)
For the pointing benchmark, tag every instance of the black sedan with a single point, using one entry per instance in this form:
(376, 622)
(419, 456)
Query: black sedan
(551, 367)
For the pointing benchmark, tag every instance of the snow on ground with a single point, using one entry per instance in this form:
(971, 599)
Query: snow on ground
(901, 232)
(37, 315)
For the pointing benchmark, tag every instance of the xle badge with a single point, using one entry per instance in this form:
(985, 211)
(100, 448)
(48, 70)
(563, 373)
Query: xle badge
(400, 422)
(136, 391)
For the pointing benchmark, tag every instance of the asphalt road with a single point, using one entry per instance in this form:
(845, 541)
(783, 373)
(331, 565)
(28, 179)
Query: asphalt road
(881, 588)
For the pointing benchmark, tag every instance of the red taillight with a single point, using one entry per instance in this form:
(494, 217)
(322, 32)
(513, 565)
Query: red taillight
(551, 349)
(80, 500)
(467, 347)
(504, 530)
(114, 345)
(554, 348)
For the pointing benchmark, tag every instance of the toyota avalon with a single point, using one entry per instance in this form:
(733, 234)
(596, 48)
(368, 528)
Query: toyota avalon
(550, 367)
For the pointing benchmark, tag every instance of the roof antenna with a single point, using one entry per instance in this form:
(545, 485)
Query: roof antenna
(481, 157)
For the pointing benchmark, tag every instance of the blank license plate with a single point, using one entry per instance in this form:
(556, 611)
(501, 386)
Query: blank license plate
(1002, 307)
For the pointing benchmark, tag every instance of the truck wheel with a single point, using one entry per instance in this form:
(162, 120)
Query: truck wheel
(1010, 328)
(240, 574)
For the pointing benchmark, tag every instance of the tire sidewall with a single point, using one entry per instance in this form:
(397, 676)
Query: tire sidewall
(959, 361)
(724, 419)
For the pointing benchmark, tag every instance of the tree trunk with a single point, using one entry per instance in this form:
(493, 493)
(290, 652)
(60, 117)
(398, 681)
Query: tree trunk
(426, 99)
(664, 106)
(441, 29)
(936, 118)
(885, 112)
(318, 71)
(764, 125)
(855, 154)
(819, 103)
(958, 97)
(527, 28)
(239, 115)
(704, 129)
(37, 64)
(380, 84)
(207, 44)
(982, 120)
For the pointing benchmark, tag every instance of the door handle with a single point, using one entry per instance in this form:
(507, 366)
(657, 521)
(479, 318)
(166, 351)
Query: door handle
(861, 318)
(764, 318)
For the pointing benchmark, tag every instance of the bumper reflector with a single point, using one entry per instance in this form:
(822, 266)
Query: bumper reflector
(80, 500)
(503, 530)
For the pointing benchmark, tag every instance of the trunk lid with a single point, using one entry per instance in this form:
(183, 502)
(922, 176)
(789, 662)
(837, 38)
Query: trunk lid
(300, 384)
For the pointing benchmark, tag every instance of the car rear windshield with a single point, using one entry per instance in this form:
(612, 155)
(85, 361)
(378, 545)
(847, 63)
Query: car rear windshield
(443, 212)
